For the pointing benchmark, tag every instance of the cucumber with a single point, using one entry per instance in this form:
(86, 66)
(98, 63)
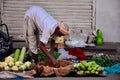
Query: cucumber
(16, 55)
(22, 54)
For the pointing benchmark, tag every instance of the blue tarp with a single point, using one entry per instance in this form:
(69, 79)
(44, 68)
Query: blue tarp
(115, 69)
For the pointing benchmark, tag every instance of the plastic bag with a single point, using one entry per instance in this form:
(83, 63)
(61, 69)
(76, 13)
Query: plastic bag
(65, 55)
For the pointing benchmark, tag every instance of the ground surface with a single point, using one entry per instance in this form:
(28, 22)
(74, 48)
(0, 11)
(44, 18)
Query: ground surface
(108, 77)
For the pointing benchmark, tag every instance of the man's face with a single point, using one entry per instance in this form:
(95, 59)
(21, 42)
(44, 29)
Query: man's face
(60, 33)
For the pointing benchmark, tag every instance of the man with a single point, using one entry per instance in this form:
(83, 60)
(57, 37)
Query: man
(38, 22)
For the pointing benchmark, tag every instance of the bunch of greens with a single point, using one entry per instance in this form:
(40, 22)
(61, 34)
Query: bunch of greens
(42, 56)
(103, 61)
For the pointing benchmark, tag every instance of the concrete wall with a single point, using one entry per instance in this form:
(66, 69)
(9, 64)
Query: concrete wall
(0, 11)
(108, 19)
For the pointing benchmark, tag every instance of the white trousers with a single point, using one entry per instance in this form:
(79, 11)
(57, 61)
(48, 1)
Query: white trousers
(31, 34)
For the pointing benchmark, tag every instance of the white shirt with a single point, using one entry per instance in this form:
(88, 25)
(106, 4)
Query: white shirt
(43, 21)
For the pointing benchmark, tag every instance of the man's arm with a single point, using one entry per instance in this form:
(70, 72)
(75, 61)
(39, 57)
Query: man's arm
(52, 47)
(45, 51)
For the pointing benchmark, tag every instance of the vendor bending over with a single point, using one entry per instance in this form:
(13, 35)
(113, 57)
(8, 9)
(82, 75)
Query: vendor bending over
(38, 22)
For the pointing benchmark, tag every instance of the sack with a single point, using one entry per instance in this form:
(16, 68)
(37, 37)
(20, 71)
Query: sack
(44, 68)
(5, 45)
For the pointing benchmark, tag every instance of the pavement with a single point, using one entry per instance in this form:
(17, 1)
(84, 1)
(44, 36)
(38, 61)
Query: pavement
(108, 77)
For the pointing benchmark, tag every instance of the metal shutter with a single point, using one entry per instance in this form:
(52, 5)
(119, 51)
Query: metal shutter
(78, 14)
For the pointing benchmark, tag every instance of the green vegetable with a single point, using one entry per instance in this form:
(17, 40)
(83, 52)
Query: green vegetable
(22, 54)
(16, 54)
(80, 72)
(82, 66)
(103, 61)
(86, 68)
(42, 56)
(84, 62)
(22, 67)
(56, 55)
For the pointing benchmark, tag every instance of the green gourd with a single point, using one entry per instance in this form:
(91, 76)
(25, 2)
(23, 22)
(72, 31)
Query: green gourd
(16, 55)
(22, 54)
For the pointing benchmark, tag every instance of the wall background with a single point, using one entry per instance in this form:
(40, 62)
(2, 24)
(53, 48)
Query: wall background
(78, 14)
(108, 19)
(0, 11)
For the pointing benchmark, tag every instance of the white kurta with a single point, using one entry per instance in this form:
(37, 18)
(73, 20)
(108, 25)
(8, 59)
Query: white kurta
(37, 20)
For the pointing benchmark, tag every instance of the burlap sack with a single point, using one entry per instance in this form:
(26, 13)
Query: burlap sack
(45, 68)
(63, 71)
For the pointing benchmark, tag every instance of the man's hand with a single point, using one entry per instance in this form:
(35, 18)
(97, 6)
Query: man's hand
(49, 55)
(55, 63)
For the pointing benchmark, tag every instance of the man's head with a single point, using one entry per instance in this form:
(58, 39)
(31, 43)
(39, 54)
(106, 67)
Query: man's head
(63, 29)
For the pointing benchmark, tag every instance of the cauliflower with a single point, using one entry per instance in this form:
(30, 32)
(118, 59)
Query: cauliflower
(4, 64)
(11, 64)
(9, 59)
(15, 68)
(22, 67)
(7, 68)
(28, 64)
(18, 63)
(1, 65)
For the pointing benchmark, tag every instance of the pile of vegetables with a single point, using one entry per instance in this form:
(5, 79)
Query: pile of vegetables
(16, 63)
(41, 55)
(10, 65)
(103, 61)
(85, 68)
